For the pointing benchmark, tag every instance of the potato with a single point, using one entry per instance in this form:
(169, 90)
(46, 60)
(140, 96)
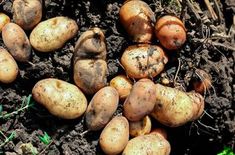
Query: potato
(52, 34)
(61, 98)
(174, 108)
(115, 136)
(101, 108)
(151, 144)
(160, 131)
(17, 42)
(8, 67)
(141, 127)
(204, 84)
(141, 61)
(4, 19)
(122, 85)
(27, 13)
(141, 100)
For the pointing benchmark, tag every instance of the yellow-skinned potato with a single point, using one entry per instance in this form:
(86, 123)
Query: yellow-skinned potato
(4, 19)
(141, 127)
(8, 67)
(142, 61)
(160, 131)
(53, 33)
(115, 136)
(101, 108)
(60, 98)
(17, 42)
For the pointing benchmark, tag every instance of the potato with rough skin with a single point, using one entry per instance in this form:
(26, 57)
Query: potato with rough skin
(101, 108)
(115, 136)
(8, 67)
(60, 98)
(4, 19)
(17, 42)
(53, 33)
(141, 127)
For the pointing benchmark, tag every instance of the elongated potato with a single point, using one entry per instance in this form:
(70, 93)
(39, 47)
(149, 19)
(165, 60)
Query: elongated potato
(8, 67)
(141, 127)
(142, 61)
(61, 98)
(115, 136)
(4, 19)
(52, 34)
(17, 42)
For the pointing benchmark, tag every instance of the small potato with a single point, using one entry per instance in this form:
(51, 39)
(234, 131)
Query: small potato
(142, 61)
(115, 136)
(204, 84)
(17, 42)
(8, 67)
(52, 34)
(101, 108)
(122, 85)
(27, 13)
(141, 127)
(4, 19)
(61, 98)
(141, 100)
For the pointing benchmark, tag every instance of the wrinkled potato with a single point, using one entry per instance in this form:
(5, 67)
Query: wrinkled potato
(142, 61)
(141, 127)
(27, 13)
(115, 136)
(60, 98)
(52, 34)
(17, 42)
(8, 67)
(4, 19)
(141, 100)
(101, 108)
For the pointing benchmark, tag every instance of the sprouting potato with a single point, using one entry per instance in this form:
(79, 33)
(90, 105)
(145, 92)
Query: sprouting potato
(4, 19)
(141, 127)
(60, 98)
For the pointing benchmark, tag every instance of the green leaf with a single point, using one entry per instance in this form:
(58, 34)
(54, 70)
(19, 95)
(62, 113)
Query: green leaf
(227, 151)
(1, 109)
(46, 139)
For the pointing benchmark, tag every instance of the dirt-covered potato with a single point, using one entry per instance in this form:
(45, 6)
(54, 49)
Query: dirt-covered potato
(141, 61)
(17, 42)
(8, 67)
(115, 136)
(61, 98)
(141, 100)
(27, 13)
(4, 19)
(141, 127)
(52, 34)
(203, 82)
(101, 108)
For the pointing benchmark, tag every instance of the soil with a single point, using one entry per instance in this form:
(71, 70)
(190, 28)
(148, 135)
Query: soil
(209, 46)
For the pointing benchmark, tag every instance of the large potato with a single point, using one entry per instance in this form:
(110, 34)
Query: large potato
(141, 100)
(16, 41)
(101, 108)
(4, 19)
(141, 127)
(61, 98)
(142, 61)
(115, 136)
(52, 34)
(8, 67)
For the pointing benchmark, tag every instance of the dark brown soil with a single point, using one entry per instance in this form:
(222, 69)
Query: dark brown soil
(209, 46)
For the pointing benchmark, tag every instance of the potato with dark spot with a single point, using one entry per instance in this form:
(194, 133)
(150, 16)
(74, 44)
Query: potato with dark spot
(101, 108)
(4, 19)
(141, 127)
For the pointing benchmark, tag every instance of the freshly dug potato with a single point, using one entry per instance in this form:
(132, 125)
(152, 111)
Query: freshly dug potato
(141, 61)
(52, 34)
(141, 127)
(27, 13)
(115, 136)
(101, 108)
(122, 85)
(159, 131)
(141, 100)
(152, 144)
(8, 67)
(174, 108)
(204, 84)
(61, 98)
(4, 19)
(17, 42)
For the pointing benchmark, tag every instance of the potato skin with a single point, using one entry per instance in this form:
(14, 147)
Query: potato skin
(8, 67)
(17, 42)
(52, 34)
(115, 136)
(142, 61)
(141, 127)
(101, 108)
(4, 19)
(60, 98)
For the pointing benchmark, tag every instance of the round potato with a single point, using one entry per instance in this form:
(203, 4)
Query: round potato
(61, 98)
(141, 127)
(4, 19)
(142, 61)
(17, 42)
(115, 136)
(52, 34)
(8, 67)
(101, 108)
